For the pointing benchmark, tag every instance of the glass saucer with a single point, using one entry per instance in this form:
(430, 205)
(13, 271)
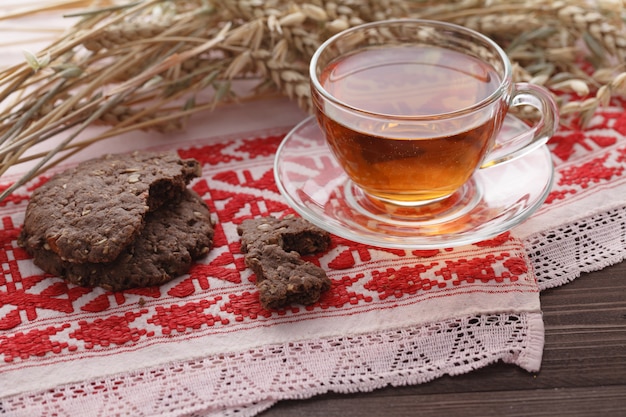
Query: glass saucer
(493, 201)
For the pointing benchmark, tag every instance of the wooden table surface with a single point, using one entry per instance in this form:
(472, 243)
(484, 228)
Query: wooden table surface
(583, 370)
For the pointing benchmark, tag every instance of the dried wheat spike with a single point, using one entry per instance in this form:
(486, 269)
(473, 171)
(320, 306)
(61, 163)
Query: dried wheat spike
(602, 36)
(124, 34)
(280, 40)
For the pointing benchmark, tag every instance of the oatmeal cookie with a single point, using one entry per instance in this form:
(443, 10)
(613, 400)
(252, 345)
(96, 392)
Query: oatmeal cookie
(90, 213)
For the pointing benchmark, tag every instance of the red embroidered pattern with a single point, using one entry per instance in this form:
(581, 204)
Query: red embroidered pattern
(575, 172)
(111, 330)
(33, 343)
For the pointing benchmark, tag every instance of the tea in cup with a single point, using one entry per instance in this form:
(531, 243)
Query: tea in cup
(412, 108)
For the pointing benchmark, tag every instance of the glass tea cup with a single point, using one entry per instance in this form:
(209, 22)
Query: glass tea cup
(412, 108)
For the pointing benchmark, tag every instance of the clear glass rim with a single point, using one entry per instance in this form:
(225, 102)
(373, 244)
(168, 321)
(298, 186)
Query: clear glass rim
(502, 88)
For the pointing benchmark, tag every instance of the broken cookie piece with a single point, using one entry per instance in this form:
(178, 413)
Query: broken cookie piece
(285, 278)
(290, 233)
(273, 249)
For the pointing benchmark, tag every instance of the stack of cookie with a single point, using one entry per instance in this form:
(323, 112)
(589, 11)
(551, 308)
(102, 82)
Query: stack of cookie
(119, 221)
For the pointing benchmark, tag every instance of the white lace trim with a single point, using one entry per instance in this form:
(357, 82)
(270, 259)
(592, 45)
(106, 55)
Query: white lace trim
(562, 254)
(245, 383)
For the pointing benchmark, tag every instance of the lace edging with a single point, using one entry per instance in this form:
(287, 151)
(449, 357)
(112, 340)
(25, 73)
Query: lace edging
(562, 254)
(256, 378)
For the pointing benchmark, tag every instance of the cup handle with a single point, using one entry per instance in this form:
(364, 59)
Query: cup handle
(523, 143)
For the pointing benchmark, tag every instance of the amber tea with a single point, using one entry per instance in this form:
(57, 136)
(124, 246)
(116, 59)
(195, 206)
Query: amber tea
(412, 108)
(421, 160)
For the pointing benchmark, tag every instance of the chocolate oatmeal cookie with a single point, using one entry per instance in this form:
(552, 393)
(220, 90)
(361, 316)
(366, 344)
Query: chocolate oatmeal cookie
(272, 250)
(290, 233)
(90, 213)
(173, 237)
(285, 278)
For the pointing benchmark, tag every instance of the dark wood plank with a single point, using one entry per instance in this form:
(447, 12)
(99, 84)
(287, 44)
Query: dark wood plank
(583, 369)
(599, 401)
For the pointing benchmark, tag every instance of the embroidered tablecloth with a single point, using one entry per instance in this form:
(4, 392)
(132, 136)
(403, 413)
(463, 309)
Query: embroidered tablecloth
(202, 345)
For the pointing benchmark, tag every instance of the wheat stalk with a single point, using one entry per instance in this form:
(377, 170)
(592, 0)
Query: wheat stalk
(143, 64)
(544, 39)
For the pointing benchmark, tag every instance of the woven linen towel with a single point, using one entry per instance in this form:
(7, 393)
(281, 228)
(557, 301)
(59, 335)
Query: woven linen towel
(202, 342)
